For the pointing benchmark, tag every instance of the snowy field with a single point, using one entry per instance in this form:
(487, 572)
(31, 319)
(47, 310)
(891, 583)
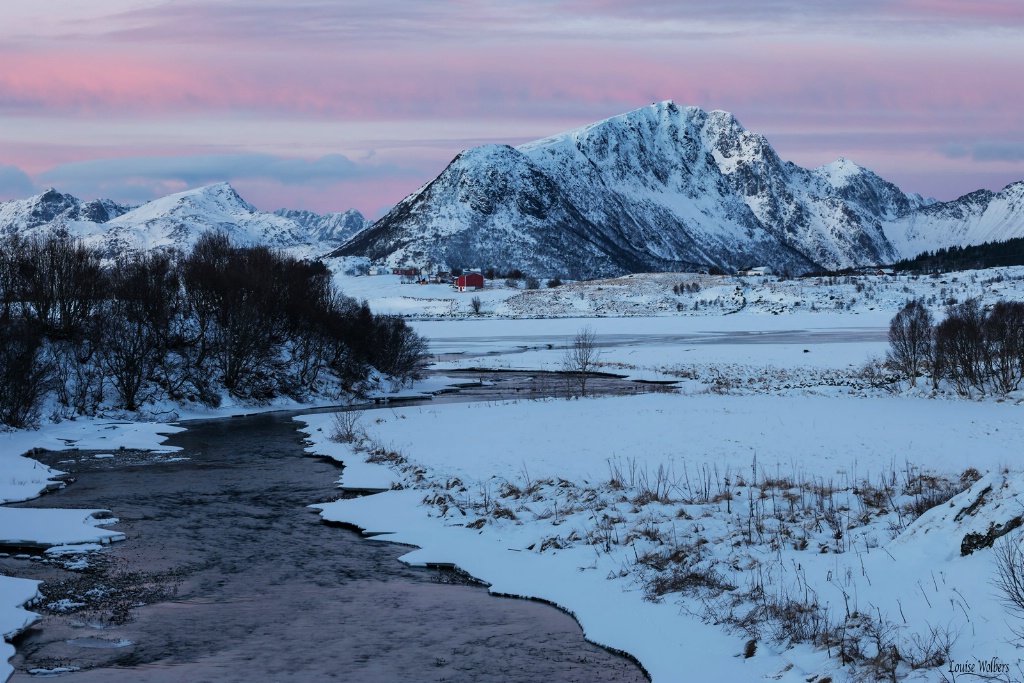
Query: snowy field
(682, 294)
(632, 513)
(779, 505)
(779, 517)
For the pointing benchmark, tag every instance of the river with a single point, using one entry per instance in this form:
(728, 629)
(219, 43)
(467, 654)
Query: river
(227, 575)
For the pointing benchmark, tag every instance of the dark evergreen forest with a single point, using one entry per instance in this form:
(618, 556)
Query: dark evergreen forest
(974, 257)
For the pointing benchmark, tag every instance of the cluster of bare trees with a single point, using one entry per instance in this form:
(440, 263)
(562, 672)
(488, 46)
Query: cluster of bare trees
(976, 350)
(246, 320)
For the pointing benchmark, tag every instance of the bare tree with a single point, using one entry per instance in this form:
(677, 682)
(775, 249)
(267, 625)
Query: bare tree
(1003, 328)
(476, 303)
(580, 359)
(1009, 578)
(910, 340)
(25, 372)
(960, 347)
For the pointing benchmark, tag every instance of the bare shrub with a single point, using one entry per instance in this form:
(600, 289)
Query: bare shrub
(796, 621)
(476, 304)
(1009, 579)
(680, 569)
(580, 359)
(929, 491)
(346, 426)
(929, 651)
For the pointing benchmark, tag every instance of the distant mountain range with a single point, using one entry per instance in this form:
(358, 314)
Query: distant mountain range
(669, 188)
(662, 188)
(177, 221)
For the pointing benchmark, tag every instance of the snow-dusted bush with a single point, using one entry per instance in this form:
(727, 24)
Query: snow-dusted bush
(248, 321)
(24, 372)
(910, 340)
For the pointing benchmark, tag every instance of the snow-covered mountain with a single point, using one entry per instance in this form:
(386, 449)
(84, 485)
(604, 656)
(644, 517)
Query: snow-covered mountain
(659, 188)
(330, 228)
(975, 218)
(54, 209)
(662, 188)
(633, 193)
(176, 221)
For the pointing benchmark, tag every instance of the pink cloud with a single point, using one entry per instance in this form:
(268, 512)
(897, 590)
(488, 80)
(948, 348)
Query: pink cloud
(510, 81)
(818, 79)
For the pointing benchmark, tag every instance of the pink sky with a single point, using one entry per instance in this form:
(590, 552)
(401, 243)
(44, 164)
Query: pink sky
(329, 105)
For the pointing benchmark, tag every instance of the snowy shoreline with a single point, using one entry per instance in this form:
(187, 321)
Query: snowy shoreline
(461, 513)
(596, 505)
(56, 531)
(585, 504)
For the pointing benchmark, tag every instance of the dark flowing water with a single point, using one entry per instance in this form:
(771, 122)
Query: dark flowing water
(242, 582)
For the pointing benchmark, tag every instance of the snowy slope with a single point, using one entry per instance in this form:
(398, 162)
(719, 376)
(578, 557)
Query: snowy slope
(975, 218)
(659, 188)
(177, 221)
(54, 209)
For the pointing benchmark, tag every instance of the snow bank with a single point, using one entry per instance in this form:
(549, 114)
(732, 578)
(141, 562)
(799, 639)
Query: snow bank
(553, 500)
(40, 527)
(14, 593)
(22, 478)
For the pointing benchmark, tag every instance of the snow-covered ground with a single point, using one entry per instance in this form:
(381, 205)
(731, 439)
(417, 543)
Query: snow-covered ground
(633, 513)
(682, 294)
(781, 505)
(775, 498)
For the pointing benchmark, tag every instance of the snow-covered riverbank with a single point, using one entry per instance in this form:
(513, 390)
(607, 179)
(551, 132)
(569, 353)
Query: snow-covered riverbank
(24, 478)
(803, 522)
(781, 480)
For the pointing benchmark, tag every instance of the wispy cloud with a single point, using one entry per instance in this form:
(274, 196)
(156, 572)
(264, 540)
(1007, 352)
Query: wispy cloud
(323, 184)
(15, 183)
(194, 170)
(986, 151)
(885, 76)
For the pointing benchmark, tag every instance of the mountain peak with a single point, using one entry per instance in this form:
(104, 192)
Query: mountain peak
(841, 171)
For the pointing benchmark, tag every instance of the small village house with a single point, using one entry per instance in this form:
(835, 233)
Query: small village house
(469, 281)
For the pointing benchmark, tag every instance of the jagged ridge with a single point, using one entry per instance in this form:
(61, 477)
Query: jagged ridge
(176, 222)
(659, 188)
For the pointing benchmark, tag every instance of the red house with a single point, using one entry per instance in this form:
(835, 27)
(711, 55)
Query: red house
(469, 281)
